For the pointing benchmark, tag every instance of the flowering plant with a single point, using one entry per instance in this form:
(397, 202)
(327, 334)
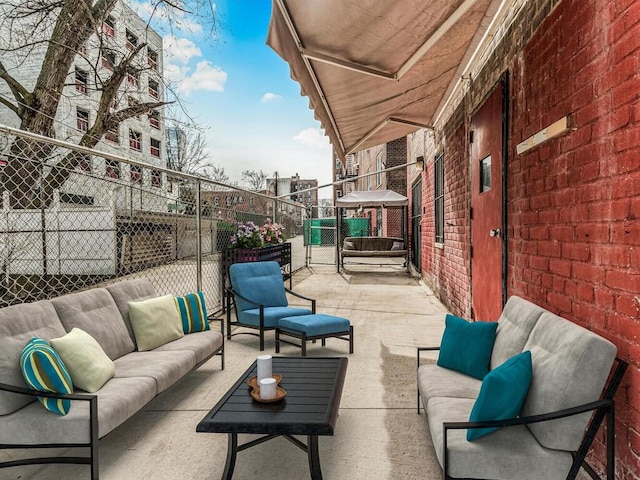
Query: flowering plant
(250, 235)
(272, 233)
(247, 236)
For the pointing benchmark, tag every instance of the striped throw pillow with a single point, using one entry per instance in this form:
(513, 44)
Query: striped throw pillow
(193, 312)
(43, 370)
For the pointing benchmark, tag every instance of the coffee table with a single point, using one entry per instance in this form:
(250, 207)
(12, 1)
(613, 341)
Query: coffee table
(313, 386)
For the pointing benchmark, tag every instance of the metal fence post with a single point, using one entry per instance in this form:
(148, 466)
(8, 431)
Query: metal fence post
(198, 236)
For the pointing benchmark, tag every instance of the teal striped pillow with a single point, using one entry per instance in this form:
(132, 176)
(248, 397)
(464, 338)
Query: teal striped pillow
(43, 370)
(193, 312)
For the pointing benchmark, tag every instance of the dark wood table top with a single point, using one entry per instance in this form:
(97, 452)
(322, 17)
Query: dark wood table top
(313, 386)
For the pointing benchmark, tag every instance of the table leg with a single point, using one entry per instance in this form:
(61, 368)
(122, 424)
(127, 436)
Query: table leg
(314, 458)
(232, 451)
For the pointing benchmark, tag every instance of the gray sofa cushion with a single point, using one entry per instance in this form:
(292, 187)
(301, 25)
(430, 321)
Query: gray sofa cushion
(118, 400)
(165, 368)
(506, 454)
(570, 367)
(435, 381)
(18, 324)
(518, 318)
(126, 291)
(202, 344)
(95, 312)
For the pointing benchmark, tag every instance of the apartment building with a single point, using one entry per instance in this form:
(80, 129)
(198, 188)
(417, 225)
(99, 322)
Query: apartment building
(140, 138)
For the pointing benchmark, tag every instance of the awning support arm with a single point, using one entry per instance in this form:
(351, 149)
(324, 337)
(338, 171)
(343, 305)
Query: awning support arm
(383, 124)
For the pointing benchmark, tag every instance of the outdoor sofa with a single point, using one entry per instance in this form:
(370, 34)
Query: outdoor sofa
(139, 376)
(553, 400)
(372, 247)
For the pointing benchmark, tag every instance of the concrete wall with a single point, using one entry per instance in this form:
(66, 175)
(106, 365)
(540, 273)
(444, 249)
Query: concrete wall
(574, 201)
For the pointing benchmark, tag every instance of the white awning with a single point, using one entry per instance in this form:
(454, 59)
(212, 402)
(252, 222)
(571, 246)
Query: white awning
(377, 70)
(372, 198)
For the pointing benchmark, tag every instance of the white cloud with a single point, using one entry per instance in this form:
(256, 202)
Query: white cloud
(312, 137)
(206, 77)
(179, 50)
(163, 16)
(267, 97)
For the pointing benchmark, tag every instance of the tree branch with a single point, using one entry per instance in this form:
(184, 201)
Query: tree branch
(20, 93)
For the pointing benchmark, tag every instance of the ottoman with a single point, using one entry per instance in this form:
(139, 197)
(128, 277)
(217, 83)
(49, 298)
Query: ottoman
(313, 327)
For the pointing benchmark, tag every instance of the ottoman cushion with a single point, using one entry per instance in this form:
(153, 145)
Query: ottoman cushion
(315, 325)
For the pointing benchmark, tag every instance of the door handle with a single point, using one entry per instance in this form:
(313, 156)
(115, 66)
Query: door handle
(495, 233)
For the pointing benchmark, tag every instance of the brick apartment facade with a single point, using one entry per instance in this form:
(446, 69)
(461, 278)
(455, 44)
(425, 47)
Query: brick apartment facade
(572, 203)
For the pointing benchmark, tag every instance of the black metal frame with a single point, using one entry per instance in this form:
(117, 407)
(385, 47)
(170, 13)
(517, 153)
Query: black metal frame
(600, 408)
(302, 336)
(92, 458)
(230, 299)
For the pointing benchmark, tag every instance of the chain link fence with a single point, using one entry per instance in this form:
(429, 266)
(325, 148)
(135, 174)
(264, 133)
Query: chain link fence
(72, 218)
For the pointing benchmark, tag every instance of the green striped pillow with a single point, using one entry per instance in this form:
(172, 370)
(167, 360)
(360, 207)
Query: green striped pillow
(193, 312)
(43, 370)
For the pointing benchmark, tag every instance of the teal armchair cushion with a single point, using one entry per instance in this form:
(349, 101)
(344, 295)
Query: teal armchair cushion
(502, 393)
(271, 315)
(260, 282)
(466, 346)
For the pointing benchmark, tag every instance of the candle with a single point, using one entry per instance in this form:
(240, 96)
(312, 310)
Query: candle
(264, 367)
(268, 388)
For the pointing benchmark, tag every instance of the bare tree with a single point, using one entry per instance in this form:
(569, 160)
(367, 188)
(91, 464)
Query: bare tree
(59, 31)
(255, 180)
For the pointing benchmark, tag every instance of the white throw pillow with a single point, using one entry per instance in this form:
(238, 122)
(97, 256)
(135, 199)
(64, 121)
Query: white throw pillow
(155, 321)
(89, 367)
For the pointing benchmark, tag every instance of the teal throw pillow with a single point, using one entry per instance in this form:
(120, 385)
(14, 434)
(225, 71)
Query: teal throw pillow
(502, 393)
(466, 346)
(193, 312)
(43, 370)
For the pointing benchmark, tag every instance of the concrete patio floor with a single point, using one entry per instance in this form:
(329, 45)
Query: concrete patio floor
(379, 435)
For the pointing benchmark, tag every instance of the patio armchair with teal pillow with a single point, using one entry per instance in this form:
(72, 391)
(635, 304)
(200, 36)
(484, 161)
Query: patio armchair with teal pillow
(258, 292)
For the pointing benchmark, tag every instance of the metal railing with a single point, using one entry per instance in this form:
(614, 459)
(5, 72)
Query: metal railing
(72, 218)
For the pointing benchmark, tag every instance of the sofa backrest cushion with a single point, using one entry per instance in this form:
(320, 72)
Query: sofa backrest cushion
(18, 325)
(570, 367)
(135, 290)
(95, 312)
(260, 282)
(375, 244)
(518, 318)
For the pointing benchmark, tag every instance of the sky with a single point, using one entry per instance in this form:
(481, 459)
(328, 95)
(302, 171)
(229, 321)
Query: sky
(241, 92)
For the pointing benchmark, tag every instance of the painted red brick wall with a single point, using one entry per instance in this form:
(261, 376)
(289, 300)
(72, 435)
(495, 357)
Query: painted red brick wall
(574, 204)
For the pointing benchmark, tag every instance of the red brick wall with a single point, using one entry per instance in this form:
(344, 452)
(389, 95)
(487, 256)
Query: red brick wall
(575, 201)
(446, 268)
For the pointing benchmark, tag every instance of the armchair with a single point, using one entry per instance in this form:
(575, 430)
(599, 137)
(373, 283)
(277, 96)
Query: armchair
(259, 296)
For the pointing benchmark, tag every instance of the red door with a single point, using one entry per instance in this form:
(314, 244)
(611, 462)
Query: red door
(487, 234)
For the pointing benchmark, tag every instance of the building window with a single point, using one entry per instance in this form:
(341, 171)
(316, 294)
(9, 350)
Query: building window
(152, 58)
(369, 181)
(82, 121)
(439, 196)
(155, 147)
(156, 178)
(154, 119)
(216, 202)
(379, 168)
(135, 174)
(112, 135)
(132, 40)
(108, 59)
(109, 26)
(112, 169)
(135, 140)
(81, 81)
(74, 199)
(228, 201)
(154, 89)
(84, 163)
(133, 78)
(252, 200)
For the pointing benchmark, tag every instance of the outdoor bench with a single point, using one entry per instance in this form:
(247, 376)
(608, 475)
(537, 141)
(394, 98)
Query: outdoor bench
(372, 247)
(561, 411)
(103, 313)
